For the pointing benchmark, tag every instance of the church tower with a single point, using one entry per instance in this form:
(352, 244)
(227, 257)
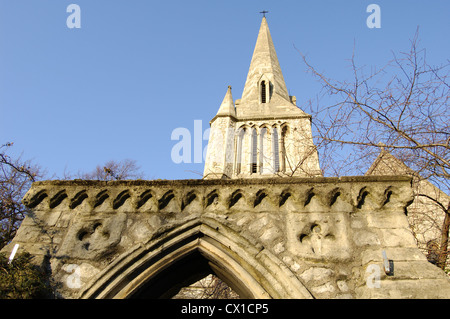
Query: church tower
(263, 134)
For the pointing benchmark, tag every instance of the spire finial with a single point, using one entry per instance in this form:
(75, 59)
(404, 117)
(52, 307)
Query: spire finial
(264, 13)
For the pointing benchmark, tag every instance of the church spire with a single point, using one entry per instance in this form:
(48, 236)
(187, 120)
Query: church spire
(265, 72)
(263, 134)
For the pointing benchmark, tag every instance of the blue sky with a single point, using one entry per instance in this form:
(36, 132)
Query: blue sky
(116, 88)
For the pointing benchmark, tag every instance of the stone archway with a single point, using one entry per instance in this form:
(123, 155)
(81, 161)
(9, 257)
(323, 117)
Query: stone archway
(187, 253)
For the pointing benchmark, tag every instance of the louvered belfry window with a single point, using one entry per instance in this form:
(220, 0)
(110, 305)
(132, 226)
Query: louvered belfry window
(263, 92)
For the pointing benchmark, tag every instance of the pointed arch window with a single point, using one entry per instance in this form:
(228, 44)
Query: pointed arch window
(262, 148)
(276, 151)
(254, 152)
(284, 131)
(240, 139)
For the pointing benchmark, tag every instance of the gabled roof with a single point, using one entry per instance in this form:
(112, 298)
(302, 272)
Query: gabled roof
(388, 164)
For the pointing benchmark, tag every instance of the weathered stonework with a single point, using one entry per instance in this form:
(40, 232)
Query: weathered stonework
(266, 238)
(425, 214)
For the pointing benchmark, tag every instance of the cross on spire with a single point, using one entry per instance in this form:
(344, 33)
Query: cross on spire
(264, 13)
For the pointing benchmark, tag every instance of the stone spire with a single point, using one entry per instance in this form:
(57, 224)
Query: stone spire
(265, 93)
(264, 63)
(227, 107)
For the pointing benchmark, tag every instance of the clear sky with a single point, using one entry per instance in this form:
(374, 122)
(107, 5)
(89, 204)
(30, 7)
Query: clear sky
(116, 88)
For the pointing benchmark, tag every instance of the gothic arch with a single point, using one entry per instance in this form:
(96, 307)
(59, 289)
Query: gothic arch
(153, 269)
(285, 126)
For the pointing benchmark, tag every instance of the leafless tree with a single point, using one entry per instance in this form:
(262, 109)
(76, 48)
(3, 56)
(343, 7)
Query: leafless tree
(215, 288)
(16, 177)
(114, 170)
(402, 108)
(209, 287)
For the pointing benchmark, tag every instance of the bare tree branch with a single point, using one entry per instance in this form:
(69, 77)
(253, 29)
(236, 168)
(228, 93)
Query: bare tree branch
(400, 108)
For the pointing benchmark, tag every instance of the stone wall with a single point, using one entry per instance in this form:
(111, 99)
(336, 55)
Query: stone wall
(266, 238)
(425, 214)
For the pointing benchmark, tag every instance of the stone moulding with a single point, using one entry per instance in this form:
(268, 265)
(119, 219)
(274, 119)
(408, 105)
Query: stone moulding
(358, 192)
(267, 238)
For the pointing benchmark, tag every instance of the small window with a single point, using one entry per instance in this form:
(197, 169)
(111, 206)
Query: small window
(263, 92)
